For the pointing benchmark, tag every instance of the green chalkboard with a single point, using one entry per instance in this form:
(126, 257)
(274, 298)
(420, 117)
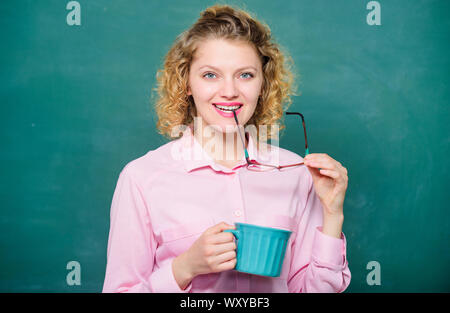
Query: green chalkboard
(76, 107)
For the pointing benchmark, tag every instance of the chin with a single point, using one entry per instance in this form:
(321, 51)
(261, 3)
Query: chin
(227, 129)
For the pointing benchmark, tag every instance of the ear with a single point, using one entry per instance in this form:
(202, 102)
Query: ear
(188, 92)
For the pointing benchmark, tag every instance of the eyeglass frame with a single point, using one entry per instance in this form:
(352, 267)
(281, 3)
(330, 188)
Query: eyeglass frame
(279, 167)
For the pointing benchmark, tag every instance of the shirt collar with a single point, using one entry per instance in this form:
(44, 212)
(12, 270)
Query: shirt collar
(195, 157)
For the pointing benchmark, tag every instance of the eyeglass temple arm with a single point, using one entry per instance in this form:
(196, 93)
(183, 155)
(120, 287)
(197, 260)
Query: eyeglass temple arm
(304, 129)
(240, 135)
(288, 113)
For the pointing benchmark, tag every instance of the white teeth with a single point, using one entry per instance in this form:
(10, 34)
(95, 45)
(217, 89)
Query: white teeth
(227, 108)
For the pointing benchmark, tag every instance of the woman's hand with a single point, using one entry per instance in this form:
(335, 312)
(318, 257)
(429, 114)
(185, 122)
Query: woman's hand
(330, 185)
(214, 251)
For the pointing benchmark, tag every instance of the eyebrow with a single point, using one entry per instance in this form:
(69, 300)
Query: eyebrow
(239, 69)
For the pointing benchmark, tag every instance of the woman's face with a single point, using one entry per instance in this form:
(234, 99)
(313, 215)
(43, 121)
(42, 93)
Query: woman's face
(225, 72)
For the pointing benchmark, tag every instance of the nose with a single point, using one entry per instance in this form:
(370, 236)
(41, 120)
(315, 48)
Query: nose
(228, 88)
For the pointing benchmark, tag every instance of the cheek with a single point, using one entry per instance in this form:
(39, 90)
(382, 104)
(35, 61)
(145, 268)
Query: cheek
(251, 91)
(203, 91)
(250, 111)
(251, 97)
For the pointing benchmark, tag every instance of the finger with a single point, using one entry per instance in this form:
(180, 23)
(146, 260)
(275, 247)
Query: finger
(218, 228)
(225, 257)
(225, 247)
(318, 164)
(330, 173)
(322, 157)
(341, 181)
(315, 156)
(338, 165)
(229, 265)
(222, 238)
(325, 164)
(314, 171)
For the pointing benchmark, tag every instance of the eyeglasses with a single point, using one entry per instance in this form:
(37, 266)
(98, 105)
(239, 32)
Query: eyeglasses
(255, 166)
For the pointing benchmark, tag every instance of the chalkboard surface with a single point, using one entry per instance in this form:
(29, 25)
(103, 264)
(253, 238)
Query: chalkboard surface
(75, 108)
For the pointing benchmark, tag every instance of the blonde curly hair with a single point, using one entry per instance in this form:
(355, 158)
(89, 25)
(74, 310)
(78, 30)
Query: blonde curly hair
(174, 107)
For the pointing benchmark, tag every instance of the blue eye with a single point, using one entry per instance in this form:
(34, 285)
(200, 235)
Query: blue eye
(205, 75)
(208, 74)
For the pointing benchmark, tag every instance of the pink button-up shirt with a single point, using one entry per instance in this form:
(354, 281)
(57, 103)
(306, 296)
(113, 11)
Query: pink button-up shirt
(167, 198)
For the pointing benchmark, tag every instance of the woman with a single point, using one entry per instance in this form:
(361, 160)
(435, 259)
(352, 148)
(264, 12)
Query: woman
(171, 206)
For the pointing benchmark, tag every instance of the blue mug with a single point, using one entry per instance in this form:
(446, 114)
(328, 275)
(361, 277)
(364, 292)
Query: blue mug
(260, 250)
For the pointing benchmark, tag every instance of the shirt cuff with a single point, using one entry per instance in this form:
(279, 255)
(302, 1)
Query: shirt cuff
(162, 280)
(329, 250)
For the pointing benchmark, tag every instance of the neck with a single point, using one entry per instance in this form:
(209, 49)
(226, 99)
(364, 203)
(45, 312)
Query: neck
(223, 148)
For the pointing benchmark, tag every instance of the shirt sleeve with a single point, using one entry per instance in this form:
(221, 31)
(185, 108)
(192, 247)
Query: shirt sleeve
(131, 245)
(318, 262)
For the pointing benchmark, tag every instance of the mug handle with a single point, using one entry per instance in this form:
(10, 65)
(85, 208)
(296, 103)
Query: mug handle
(235, 232)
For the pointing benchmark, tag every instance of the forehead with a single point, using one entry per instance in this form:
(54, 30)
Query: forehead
(221, 52)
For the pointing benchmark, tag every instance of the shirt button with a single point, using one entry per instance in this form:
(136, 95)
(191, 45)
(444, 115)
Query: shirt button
(238, 213)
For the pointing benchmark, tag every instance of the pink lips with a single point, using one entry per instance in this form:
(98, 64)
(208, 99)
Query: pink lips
(226, 114)
(228, 103)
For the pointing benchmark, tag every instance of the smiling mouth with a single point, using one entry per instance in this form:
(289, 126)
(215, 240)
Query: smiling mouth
(224, 109)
